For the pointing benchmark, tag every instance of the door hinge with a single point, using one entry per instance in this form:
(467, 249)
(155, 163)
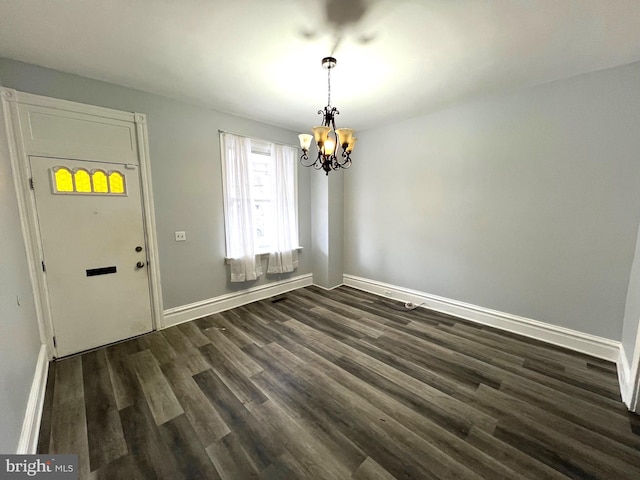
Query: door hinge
(44, 269)
(31, 184)
(55, 343)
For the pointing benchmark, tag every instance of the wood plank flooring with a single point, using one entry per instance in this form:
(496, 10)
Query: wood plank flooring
(338, 385)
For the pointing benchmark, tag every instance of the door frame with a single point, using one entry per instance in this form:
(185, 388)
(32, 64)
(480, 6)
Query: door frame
(20, 149)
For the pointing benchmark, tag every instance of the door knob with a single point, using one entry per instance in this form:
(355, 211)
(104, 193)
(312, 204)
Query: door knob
(140, 264)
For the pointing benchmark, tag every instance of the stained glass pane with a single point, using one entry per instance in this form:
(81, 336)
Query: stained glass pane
(63, 179)
(116, 182)
(83, 181)
(100, 184)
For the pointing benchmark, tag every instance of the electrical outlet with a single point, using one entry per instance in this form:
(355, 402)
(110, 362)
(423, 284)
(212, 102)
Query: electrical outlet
(181, 236)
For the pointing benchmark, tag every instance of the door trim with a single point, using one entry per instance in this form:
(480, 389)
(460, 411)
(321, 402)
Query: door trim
(19, 153)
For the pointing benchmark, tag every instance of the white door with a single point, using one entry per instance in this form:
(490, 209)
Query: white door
(93, 242)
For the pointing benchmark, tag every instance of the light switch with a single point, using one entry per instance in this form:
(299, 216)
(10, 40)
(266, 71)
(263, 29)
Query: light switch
(181, 236)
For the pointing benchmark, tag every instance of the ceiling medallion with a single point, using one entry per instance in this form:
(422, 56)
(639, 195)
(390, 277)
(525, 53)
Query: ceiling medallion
(327, 137)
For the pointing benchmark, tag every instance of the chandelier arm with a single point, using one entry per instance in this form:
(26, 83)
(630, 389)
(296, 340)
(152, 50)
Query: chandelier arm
(334, 112)
(305, 158)
(319, 162)
(346, 163)
(328, 116)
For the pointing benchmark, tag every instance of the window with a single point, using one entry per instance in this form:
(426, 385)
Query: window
(263, 190)
(260, 193)
(261, 186)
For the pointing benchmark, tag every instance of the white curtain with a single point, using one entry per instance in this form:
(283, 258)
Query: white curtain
(238, 221)
(284, 254)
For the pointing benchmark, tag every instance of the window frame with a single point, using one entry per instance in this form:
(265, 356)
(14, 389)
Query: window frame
(258, 147)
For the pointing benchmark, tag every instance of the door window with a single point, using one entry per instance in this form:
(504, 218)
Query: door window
(87, 182)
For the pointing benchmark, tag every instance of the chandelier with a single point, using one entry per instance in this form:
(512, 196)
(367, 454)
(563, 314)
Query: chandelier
(327, 137)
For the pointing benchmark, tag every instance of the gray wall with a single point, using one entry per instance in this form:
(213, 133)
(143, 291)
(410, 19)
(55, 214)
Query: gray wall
(327, 221)
(527, 203)
(19, 336)
(186, 174)
(320, 228)
(335, 226)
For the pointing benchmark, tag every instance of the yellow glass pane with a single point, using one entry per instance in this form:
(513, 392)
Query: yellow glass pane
(116, 182)
(64, 180)
(100, 184)
(83, 181)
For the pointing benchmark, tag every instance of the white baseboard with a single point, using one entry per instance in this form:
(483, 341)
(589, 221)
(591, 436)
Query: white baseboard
(581, 342)
(28, 443)
(186, 313)
(328, 289)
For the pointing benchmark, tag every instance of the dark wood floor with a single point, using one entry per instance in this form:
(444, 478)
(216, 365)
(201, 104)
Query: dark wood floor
(339, 384)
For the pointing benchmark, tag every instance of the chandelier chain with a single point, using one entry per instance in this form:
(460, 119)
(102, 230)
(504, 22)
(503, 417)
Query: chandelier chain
(329, 86)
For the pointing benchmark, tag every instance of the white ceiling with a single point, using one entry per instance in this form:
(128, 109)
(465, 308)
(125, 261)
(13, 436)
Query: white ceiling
(261, 58)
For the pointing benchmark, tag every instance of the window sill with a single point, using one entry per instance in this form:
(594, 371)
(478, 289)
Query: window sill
(227, 260)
